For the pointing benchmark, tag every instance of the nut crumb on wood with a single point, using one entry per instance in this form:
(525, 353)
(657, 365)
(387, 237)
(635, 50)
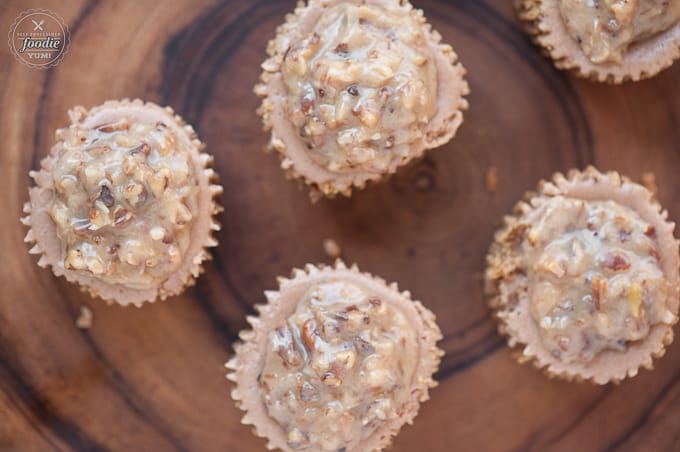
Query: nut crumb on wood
(331, 248)
(649, 181)
(491, 179)
(85, 318)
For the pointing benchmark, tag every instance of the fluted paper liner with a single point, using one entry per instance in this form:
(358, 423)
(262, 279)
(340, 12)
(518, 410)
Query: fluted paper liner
(248, 361)
(295, 159)
(543, 21)
(42, 230)
(507, 286)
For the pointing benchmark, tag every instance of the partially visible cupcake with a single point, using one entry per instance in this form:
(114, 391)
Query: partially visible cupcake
(355, 89)
(337, 360)
(124, 203)
(584, 277)
(606, 40)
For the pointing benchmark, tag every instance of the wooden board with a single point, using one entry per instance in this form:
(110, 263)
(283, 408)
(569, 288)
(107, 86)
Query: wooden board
(152, 379)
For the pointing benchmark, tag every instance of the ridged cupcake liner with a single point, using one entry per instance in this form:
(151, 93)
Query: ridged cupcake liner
(248, 360)
(284, 138)
(506, 283)
(542, 20)
(42, 230)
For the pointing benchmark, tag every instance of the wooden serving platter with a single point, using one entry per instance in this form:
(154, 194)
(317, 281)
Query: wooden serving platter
(152, 379)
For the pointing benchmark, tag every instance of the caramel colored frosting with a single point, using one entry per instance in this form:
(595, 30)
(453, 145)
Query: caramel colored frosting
(362, 86)
(584, 277)
(124, 201)
(595, 282)
(337, 360)
(605, 29)
(354, 89)
(338, 367)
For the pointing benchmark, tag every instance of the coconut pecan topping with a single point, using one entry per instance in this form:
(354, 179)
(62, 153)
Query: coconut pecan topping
(124, 199)
(362, 87)
(605, 29)
(595, 283)
(338, 366)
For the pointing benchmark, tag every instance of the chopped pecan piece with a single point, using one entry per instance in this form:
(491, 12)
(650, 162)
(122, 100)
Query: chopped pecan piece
(103, 194)
(309, 334)
(599, 290)
(141, 149)
(655, 254)
(331, 379)
(121, 217)
(121, 124)
(341, 316)
(306, 104)
(616, 262)
(341, 48)
(287, 350)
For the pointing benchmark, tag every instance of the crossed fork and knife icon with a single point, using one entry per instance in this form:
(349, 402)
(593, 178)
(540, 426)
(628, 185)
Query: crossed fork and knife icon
(38, 25)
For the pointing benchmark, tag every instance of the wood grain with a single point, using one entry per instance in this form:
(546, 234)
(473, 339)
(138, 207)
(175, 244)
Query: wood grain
(151, 379)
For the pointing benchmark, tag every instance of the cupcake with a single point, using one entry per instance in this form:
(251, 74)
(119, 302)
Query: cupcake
(606, 40)
(355, 89)
(123, 204)
(583, 277)
(336, 360)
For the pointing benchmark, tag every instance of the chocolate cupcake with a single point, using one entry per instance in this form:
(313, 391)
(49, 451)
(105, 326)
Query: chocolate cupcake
(336, 360)
(355, 89)
(123, 205)
(606, 40)
(583, 277)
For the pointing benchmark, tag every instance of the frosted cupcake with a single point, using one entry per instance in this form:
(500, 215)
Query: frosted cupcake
(355, 89)
(606, 40)
(583, 277)
(337, 360)
(123, 204)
